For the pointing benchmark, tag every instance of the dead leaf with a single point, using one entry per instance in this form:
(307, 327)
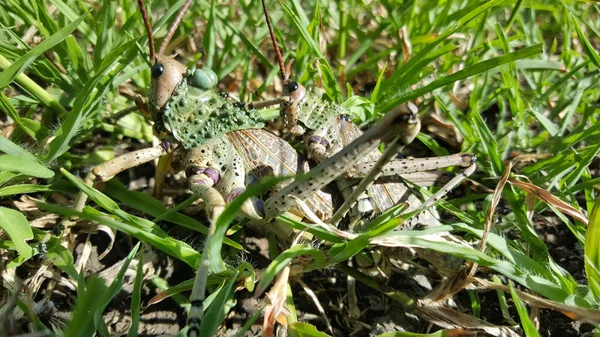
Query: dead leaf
(550, 199)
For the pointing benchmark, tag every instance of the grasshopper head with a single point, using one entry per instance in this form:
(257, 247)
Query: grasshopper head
(167, 73)
(294, 90)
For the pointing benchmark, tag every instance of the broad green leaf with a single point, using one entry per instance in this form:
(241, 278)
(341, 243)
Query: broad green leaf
(306, 330)
(24, 165)
(17, 227)
(8, 147)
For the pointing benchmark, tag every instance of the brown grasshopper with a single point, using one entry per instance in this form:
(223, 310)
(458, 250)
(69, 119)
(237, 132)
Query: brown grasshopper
(220, 143)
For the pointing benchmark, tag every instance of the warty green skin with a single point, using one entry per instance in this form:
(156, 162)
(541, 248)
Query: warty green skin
(315, 112)
(227, 137)
(194, 115)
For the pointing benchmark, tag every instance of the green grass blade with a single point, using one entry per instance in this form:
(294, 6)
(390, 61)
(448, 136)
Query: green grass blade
(220, 305)
(24, 189)
(526, 323)
(81, 324)
(587, 46)
(391, 99)
(306, 330)
(10, 110)
(23, 62)
(284, 259)
(138, 228)
(214, 242)
(85, 102)
(592, 251)
(24, 165)
(136, 296)
(113, 290)
(10, 148)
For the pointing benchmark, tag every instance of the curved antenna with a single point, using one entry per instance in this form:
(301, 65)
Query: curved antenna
(148, 28)
(282, 69)
(173, 28)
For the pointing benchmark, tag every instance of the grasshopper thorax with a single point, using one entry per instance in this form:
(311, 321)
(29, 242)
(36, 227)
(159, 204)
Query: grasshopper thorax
(183, 103)
(167, 76)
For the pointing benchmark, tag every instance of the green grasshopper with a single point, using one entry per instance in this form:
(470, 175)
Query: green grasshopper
(327, 131)
(220, 142)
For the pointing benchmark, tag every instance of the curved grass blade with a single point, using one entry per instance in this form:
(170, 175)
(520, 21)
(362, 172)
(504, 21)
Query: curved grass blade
(589, 49)
(8, 147)
(528, 327)
(149, 205)
(113, 290)
(87, 299)
(25, 166)
(284, 259)
(139, 228)
(23, 62)
(214, 242)
(217, 309)
(136, 296)
(391, 98)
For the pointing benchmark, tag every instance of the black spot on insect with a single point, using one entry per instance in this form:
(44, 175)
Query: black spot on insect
(292, 86)
(157, 70)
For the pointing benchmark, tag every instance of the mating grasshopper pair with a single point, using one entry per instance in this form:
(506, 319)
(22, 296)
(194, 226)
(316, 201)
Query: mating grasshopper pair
(220, 143)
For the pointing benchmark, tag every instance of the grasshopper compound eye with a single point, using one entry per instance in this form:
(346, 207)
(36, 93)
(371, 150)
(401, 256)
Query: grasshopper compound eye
(295, 91)
(292, 86)
(157, 70)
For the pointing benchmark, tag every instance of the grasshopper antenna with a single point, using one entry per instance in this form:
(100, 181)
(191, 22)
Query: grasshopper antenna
(173, 28)
(148, 28)
(282, 69)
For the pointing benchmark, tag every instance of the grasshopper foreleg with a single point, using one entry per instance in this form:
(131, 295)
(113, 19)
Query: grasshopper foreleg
(109, 169)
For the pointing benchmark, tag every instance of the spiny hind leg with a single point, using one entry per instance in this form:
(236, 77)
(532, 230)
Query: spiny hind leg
(421, 170)
(109, 169)
(215, 173)
(394, 123)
